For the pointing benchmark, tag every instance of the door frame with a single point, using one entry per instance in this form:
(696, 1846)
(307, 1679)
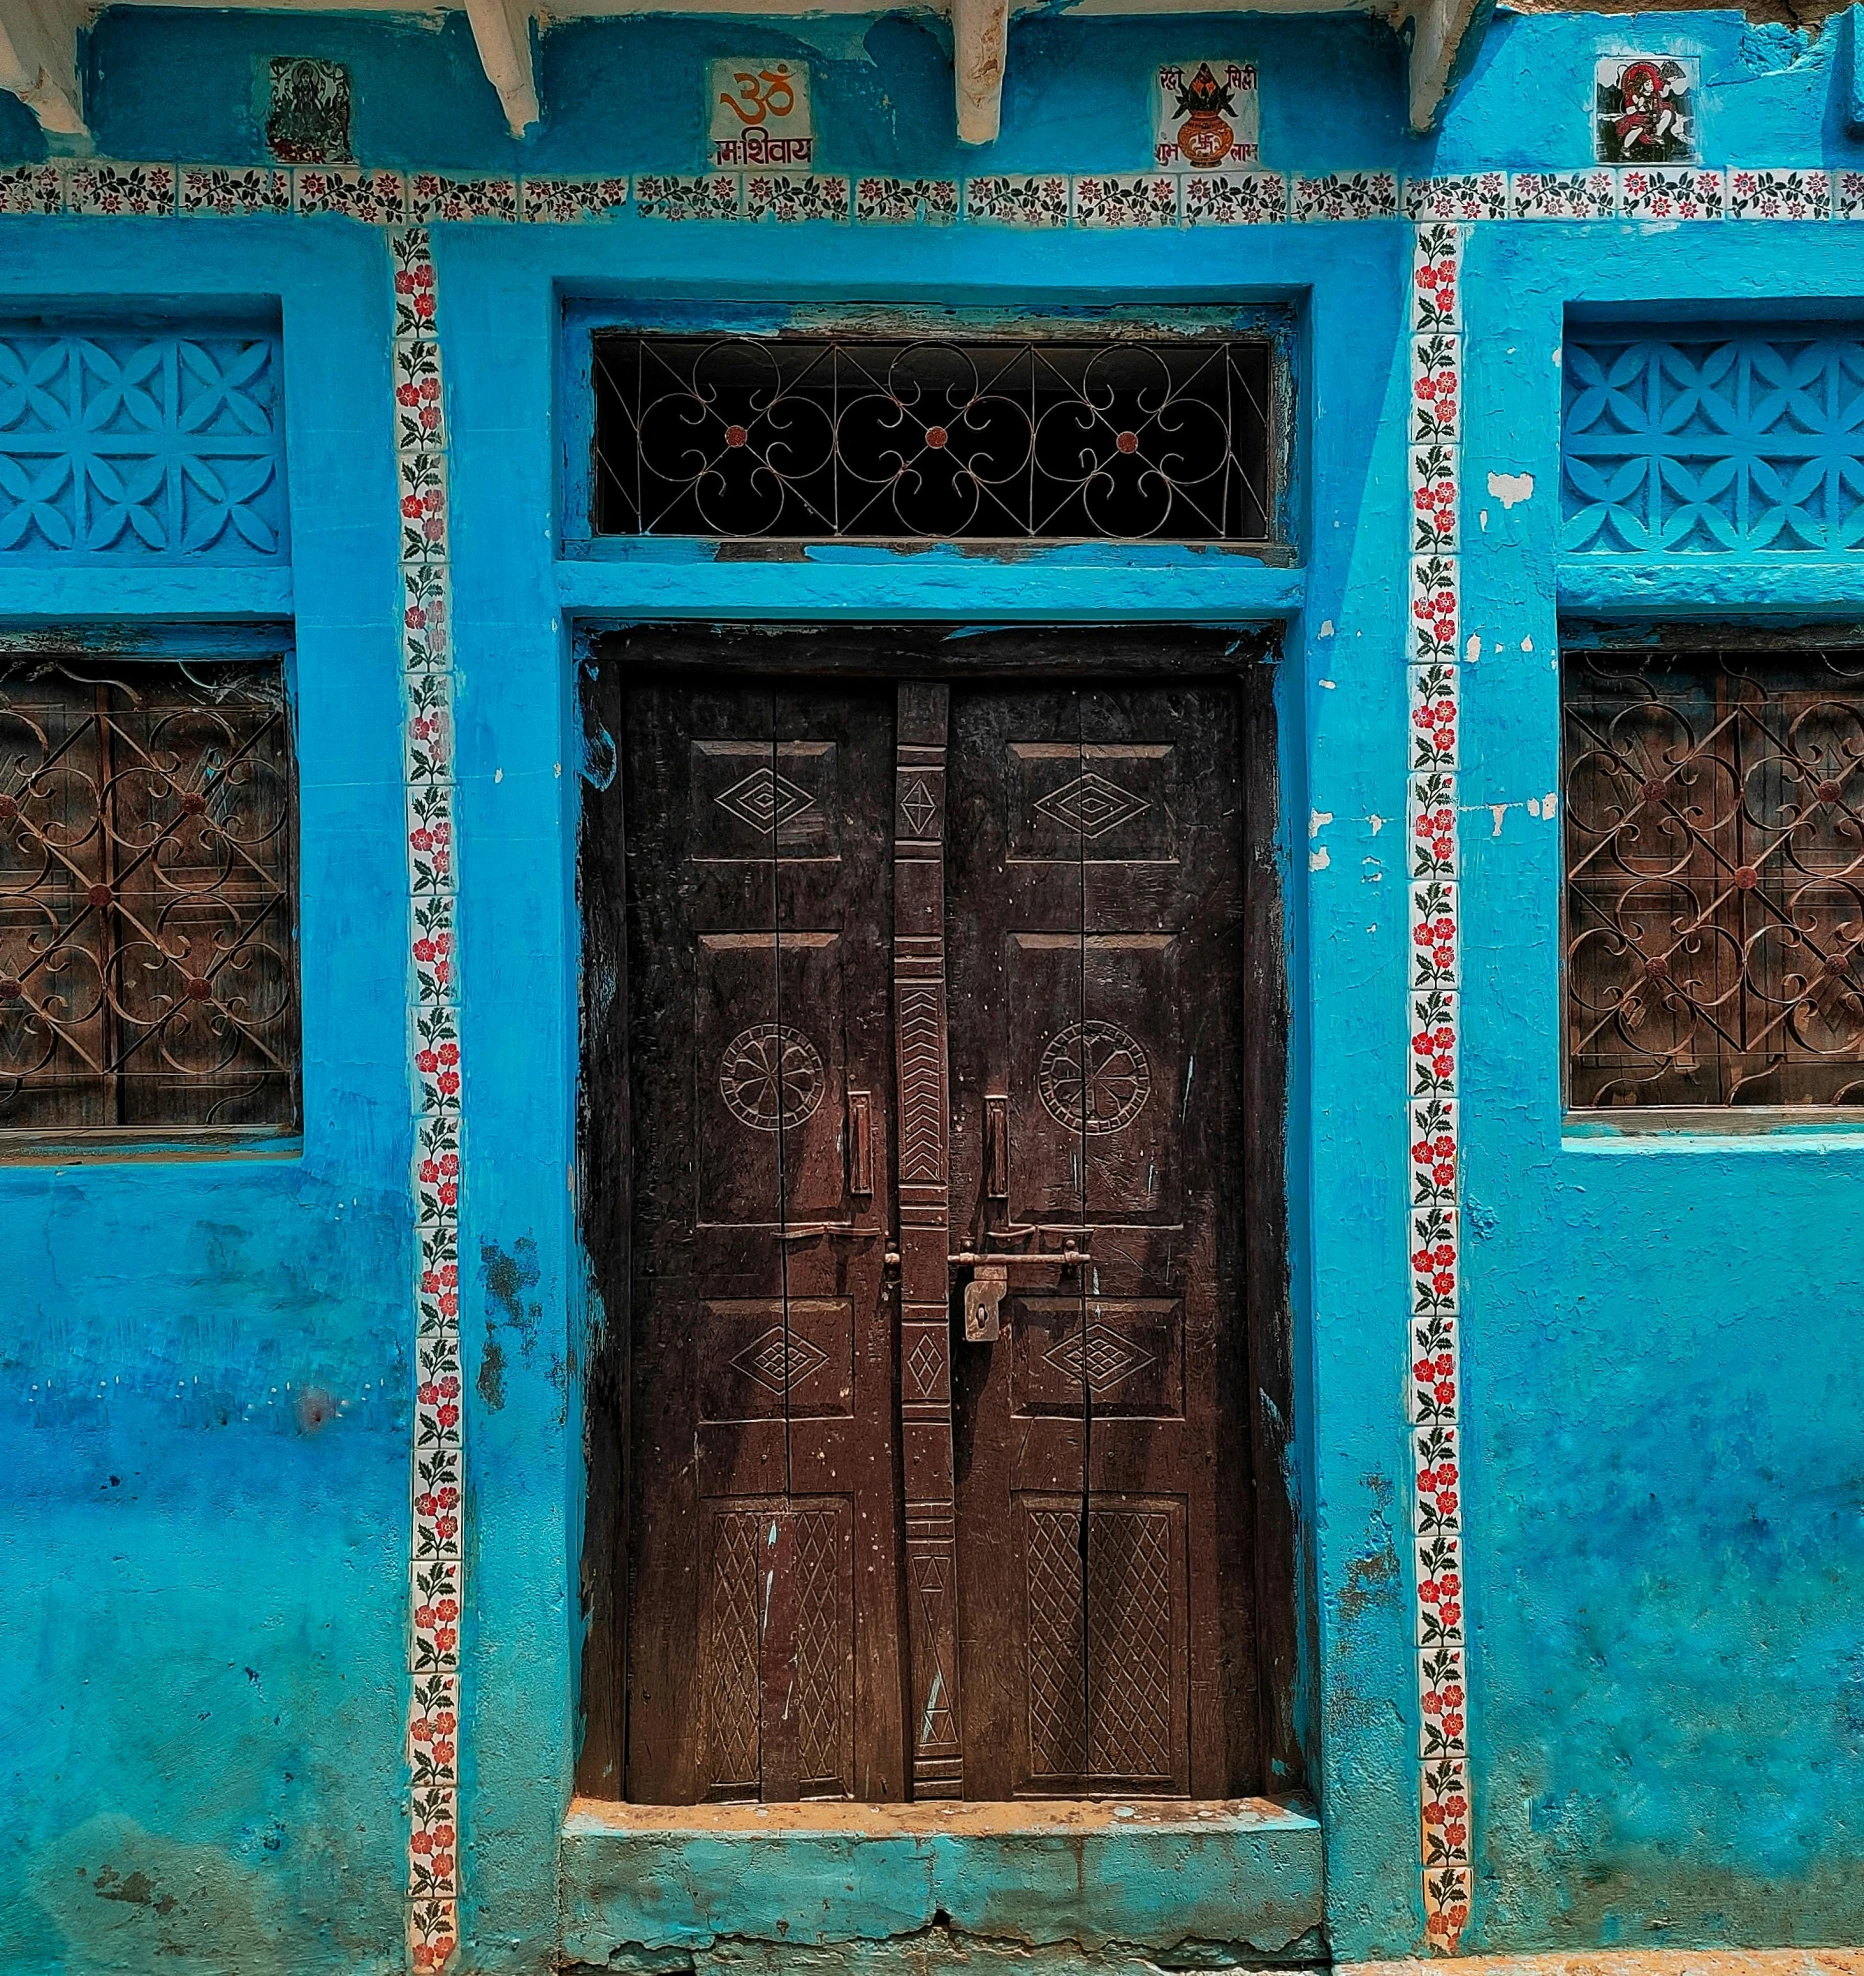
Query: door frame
(1248, 655)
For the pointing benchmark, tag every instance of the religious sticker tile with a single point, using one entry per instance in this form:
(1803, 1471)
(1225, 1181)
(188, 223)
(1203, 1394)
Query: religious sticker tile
(308, 120)
(1204, 117)
(225, 190)
(564, 201)
(1129, 199)
(1468, 196)
(1017, 201)
(1582, 195)
(759, 113)
(1644, 110)
(1672, 192)
(1780, 195)
(31, 189)
(441, 196)
(380, 198)
(906, 201)
(1346, 196)
(795, 196)
(1235, 199)
(675, 196)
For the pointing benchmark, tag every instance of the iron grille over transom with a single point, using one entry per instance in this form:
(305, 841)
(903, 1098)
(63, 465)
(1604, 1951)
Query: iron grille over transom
(813, 438)
(148, 971)
(1715, 878)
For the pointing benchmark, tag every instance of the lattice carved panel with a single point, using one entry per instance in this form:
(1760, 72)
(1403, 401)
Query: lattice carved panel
(141, 446)
(1713, 444)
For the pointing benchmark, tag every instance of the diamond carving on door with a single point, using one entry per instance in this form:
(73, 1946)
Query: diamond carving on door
(932, 1068)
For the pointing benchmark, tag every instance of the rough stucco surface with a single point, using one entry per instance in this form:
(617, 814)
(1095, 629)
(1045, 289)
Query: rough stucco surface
(202, 1586)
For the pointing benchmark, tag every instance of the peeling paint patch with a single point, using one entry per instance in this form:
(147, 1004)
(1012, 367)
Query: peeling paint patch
(1317, 821)
(1508, 488)
(1319, 860)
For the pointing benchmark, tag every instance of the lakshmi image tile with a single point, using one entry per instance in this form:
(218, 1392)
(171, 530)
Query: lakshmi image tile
(759, 114)
(307, 119)
(1644, 110)
(1204, 116)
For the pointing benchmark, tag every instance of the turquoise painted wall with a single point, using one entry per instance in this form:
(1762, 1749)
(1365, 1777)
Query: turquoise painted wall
(203, 1584)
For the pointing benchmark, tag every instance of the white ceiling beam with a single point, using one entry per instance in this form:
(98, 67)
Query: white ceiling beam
(39, 61)
(502, 31)
(980, 34)
(1439, 30)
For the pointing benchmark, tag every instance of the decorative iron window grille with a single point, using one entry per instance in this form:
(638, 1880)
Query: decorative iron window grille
(148, 964)
(820, 437)
(1713, 442)
(1714, 878)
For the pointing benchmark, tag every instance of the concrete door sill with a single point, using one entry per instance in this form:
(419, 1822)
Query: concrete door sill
(1150, 1874)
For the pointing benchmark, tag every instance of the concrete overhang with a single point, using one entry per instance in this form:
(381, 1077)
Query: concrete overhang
(39, 43)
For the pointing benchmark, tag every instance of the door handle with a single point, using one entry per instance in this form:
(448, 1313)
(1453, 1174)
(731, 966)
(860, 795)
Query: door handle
(997, 1148)
(861, 1143)
(989, 1283)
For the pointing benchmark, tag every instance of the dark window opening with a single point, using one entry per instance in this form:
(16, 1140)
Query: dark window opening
(1714, 878)
(148, 960)
(818, 438)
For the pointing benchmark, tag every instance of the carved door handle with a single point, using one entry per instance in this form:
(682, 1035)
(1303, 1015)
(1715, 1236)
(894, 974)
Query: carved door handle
(861, 1143)
(996, 1148)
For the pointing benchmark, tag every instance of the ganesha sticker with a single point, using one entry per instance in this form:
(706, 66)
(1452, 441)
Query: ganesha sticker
(1204, 117)
(1645, 110)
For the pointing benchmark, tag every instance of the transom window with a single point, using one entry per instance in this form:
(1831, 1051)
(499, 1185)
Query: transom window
(1714, 878)
(814, 438)
(148, 965)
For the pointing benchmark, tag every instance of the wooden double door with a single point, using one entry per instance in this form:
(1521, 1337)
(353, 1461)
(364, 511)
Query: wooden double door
(937, 1457)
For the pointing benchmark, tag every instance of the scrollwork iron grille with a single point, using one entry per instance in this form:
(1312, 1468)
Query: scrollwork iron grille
(1714, 878)
(819, 438)
(148, 964)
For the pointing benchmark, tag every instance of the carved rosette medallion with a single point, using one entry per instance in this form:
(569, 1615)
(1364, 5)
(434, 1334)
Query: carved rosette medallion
(1094, 1077)
(771, 1077)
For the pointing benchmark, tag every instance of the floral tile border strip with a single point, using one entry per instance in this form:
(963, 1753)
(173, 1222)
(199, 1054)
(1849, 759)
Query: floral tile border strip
(1658, 194)
(1433, 632)
(436, 1562)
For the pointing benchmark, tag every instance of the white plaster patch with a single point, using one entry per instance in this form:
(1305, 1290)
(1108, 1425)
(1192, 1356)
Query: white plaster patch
(1374, 872)
(1377, 822)
(1556, 356)
(1508, 488)
(1527, 644)
(1548, 804)
(1326, 629)
(1498, 811)
(1473, 650)
(1326, 685)
(1317, 821)
(1319, 860)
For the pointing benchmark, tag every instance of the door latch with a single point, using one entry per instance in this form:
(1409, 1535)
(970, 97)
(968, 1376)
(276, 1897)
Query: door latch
(989, 1283)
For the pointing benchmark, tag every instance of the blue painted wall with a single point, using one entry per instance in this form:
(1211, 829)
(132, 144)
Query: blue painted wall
(203, 1581)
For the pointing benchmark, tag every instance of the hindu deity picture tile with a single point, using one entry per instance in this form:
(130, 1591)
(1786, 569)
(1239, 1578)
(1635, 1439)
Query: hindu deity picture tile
(308, 120)
(1644, 110)
(759, 114)
(1204, 116)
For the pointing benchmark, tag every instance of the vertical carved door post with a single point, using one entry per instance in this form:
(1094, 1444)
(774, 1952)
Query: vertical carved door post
(925, 1214)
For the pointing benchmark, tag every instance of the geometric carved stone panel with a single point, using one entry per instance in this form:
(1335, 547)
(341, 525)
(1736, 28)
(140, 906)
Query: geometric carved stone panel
(141, 445)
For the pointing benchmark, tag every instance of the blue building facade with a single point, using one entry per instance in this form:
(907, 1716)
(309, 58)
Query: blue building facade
(296, 1421)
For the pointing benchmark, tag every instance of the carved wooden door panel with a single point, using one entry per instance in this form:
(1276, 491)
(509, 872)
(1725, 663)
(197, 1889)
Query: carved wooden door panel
(1094, 912)
(763, 1596)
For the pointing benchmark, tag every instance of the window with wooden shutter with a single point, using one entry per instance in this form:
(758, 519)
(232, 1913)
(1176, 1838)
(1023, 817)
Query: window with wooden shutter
(148, 959)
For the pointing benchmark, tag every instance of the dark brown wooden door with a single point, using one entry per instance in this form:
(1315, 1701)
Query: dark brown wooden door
(764, 1594)
(1094, 902)
(937, 973)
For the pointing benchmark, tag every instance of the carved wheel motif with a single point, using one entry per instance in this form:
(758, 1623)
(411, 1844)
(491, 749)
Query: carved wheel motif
(771, 1077)
(1094, 1076)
